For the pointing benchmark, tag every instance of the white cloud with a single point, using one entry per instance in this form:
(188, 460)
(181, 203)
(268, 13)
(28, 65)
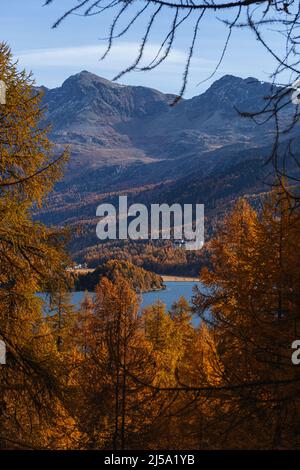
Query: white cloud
(52, 65)
(87, 56)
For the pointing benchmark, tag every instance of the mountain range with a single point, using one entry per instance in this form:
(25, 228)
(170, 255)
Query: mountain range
(134, 140)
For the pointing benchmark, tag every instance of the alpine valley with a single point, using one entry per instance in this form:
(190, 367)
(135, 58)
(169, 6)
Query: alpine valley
(132, 140)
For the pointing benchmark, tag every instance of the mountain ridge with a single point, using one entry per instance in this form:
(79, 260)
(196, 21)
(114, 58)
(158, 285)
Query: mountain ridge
(126, 139)
(107, 123)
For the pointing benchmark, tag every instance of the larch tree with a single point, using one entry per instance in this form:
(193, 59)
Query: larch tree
(114, 409)
(251, 307)
(33, 386)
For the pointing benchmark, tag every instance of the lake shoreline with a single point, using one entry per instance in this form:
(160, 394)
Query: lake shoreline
(165, 277)
(172, 293)
(179, 278)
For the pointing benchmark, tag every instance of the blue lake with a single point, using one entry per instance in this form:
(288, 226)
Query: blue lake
(171, 294)
(174, 290)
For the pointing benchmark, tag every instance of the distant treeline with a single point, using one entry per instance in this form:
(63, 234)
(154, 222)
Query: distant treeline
(160, 257)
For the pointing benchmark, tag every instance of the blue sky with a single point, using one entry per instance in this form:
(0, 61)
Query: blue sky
(76, 45)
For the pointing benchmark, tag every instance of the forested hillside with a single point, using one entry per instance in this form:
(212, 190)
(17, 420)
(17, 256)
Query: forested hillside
(138, 278)
(129, 140)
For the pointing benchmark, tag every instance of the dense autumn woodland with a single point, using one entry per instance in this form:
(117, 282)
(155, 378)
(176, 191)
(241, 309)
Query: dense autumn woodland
(109, 378)
(161, 257)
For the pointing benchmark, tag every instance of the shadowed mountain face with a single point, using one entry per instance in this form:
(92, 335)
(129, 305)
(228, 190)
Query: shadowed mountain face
(108, 123)
(132, 140)
(99, 119)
